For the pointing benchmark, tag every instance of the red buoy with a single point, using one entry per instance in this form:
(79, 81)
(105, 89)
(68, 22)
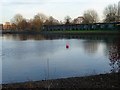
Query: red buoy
(67, 46)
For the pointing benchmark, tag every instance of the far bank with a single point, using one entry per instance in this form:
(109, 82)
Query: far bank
(86, 32)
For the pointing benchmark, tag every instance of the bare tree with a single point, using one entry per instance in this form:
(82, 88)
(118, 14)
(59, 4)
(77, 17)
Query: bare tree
(22, 25)
(38, 21)
(51, 21)
(110, 13)
(13, 26)
(78, 20)
(41, 17)
(67, 20)
(17, 18)
(90, 16)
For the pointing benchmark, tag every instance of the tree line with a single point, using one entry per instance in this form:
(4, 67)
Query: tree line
(89, 16)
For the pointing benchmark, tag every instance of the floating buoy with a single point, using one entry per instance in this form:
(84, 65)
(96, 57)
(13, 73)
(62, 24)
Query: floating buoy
(67, 46)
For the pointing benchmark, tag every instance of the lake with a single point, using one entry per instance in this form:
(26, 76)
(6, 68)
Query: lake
(42, 57)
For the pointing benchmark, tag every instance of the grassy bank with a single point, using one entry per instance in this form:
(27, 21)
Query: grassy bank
(85, 32)
(63, 32)
(96, 81)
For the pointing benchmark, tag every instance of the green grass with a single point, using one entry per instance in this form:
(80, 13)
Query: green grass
(85, 31)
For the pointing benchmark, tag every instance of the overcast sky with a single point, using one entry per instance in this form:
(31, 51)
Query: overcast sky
(56, 8)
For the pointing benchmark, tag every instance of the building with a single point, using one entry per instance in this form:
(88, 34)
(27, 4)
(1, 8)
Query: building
(1, 26)
(7, 26)
(93, 26)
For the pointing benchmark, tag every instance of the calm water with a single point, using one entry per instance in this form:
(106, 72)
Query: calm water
(39, 57)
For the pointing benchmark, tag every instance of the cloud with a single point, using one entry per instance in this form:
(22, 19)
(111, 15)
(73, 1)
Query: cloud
(28, 2)
(22, 2)
(55, 8)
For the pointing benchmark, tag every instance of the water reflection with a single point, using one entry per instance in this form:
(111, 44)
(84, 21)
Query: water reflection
(23, 37)
(56, 36)
(91, 46)
(114, 55)
(29, 53)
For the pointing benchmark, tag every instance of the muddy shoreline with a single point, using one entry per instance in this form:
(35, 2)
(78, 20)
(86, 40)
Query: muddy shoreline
(95, 81)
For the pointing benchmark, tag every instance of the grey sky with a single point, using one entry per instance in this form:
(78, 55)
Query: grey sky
(56, 8)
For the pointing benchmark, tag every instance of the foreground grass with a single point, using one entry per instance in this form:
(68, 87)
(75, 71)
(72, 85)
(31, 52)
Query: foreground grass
(96, 81)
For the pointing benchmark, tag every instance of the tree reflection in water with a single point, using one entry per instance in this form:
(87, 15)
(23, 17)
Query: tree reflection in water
(114, 56)
(91, 46)
(23, 37)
